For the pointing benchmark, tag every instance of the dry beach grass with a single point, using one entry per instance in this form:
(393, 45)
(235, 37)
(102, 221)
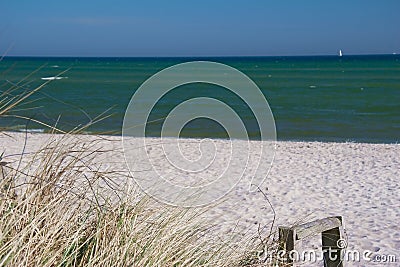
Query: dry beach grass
(58, 218)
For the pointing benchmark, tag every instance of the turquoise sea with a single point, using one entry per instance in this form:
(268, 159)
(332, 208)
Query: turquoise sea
(317, 98)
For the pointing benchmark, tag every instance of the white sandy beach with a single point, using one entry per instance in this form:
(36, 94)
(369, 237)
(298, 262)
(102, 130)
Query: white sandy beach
(307, 181)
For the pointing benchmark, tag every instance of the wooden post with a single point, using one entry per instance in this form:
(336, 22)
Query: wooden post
(330, 230)
(286, 243)
(333, 255)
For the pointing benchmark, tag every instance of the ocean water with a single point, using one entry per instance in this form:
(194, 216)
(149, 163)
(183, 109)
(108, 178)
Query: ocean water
(320, 98)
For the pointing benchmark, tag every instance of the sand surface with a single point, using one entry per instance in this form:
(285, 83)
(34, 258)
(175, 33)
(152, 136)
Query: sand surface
(307, 181)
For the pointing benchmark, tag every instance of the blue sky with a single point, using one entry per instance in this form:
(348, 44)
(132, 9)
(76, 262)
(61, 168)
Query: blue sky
(198, 28)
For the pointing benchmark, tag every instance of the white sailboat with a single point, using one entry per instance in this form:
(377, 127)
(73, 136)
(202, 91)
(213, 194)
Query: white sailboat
(340, 53)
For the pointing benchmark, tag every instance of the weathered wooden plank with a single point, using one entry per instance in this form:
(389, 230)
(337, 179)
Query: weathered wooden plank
(317, 227)
(330, 230)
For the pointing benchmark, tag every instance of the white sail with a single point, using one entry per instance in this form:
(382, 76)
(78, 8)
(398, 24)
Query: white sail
(340, 53)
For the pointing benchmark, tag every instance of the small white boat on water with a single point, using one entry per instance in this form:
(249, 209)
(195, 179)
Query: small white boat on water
(53, 78)
(340, 53)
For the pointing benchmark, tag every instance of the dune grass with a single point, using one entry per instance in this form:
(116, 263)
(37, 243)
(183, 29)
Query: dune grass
(52, 213)
(54, 216)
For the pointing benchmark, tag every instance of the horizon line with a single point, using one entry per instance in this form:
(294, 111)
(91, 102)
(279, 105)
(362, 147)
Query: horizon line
(196, 56)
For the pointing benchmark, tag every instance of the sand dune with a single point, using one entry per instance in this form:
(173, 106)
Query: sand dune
(308, 180)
